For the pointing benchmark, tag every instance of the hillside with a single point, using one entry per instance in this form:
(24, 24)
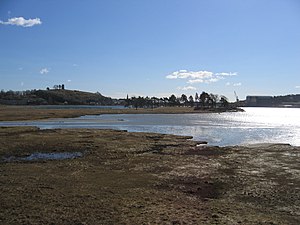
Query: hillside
(53, 97)
(73, 97)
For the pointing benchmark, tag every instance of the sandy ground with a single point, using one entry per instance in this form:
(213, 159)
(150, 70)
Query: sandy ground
(143, 178)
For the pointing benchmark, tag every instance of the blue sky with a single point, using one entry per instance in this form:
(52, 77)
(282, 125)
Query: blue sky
(154, 48)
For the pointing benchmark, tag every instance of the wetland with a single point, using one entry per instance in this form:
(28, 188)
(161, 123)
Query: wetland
(120, 177)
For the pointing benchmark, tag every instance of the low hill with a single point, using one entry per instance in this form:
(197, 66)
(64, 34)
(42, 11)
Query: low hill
(53, 97)
(73, 97)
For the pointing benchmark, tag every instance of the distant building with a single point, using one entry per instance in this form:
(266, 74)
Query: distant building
(259, 101)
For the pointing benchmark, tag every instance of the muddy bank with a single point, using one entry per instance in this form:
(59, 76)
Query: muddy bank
(143, 178)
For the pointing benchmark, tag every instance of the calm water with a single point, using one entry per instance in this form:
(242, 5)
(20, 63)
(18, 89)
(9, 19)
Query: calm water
(77, 107)
(256, 125)
(45, 156)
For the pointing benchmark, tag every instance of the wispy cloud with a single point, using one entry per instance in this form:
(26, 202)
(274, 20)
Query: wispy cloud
(298, 87)
(195, 81)
(187, 88)
(226, 74)
(237, 84)
(184, 74)
(206, 81)
(233, 84)
(21, 21)
(193, 77)
(44, 71)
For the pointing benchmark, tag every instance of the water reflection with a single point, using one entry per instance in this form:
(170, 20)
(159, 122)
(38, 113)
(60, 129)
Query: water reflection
(45, 156)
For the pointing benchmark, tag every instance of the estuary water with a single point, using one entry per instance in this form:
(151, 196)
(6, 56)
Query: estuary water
(255, 125)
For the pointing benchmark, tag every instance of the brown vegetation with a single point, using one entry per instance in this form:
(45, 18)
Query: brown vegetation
(14, 113)
(142, 178)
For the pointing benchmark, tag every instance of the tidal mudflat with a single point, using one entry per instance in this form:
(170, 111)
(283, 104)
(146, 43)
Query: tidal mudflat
(144, 178)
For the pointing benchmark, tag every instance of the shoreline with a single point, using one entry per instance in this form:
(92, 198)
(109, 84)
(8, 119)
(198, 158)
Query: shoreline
(32, 113)
(135, 178)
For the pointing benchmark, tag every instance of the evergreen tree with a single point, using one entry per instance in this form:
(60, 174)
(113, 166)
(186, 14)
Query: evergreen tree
(191, 101)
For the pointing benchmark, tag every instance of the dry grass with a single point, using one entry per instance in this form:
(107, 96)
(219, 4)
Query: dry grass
(14, 113)
(143, 178)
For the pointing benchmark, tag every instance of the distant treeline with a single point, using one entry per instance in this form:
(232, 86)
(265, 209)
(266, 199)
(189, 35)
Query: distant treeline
(72, 97)
(204, 100)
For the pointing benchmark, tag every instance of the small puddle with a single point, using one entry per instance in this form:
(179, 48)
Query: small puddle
(45, 156)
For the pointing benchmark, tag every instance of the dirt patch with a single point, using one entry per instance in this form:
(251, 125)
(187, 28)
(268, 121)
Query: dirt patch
(198, 187)
(206, 151)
